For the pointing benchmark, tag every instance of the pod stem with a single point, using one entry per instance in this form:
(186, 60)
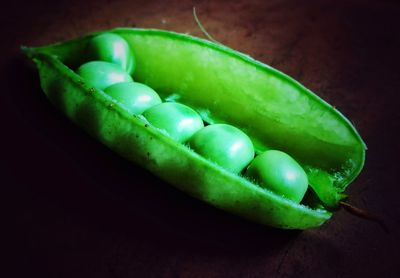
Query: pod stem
(364, 214)
(202, 27)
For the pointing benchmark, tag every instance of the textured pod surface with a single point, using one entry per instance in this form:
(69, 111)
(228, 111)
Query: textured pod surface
(326, 144)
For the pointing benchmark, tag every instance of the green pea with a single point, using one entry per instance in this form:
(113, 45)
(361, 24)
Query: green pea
(136, 97)
(101, 74)
(178, 120)
(225, 145)
(280, 173)
(111, 48)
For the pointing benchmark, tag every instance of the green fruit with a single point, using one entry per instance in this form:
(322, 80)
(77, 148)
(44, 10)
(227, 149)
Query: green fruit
(102, 74)
(178, 120)
(223, 85)
(225, 145)
(280, 173)
(111, 48)
(136, 97)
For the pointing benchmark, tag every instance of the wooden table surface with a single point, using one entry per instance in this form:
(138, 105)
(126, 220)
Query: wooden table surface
(75, 209)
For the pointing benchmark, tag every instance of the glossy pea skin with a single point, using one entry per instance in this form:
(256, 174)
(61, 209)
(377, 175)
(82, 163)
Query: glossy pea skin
(225, 145)
(101, 74)
(178, 120)
(111, 48)
(135, 97)
(280, 173)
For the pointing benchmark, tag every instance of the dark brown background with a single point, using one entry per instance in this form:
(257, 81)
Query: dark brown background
(75, 209)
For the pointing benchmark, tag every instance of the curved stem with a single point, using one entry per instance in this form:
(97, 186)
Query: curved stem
(364, 214)
(202, 27)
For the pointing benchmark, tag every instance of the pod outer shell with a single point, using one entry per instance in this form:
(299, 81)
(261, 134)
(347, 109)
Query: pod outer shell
(134, 139)
(216, 81)
(137, 141)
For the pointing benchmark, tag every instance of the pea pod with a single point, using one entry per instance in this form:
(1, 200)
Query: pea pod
(224, 86)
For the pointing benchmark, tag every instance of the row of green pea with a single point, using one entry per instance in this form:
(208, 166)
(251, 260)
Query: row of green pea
(110, 68)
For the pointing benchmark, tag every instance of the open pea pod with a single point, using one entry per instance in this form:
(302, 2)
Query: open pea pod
(224, 86)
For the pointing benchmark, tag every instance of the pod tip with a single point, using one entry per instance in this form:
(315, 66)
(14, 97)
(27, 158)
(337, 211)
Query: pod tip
(28, 51)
